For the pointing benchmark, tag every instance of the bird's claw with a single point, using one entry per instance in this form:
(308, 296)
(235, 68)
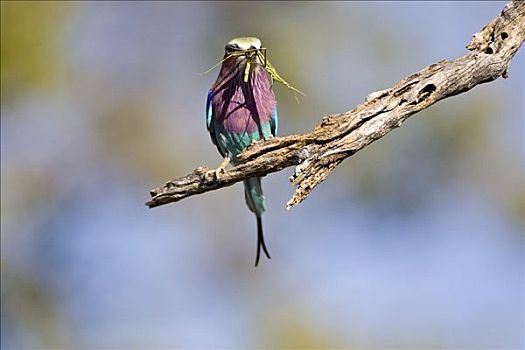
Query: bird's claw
(221, 169)
(219, 172)
(254, 141)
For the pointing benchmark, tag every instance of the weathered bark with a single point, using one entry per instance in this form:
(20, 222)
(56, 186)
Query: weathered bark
(317, 153)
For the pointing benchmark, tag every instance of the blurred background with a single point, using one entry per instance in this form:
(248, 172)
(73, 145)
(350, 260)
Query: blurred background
(415, 242)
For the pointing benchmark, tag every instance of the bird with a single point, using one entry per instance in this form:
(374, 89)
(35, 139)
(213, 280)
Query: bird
(241, 109)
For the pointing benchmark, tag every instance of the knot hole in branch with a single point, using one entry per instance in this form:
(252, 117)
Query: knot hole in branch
(425, 92)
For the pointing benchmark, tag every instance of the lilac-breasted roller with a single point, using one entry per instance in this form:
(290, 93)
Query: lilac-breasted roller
(241, 109)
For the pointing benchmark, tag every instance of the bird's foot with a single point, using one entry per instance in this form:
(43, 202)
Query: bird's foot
(221, 169)
(254, 141)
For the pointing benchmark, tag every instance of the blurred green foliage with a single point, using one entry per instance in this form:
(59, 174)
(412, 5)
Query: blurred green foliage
(32, 308)
(29, 51)
(290, 328)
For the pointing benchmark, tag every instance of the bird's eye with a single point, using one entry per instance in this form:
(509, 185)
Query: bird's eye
(232, 48)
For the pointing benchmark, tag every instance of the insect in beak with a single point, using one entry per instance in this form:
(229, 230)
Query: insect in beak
(247, 71)
(252, 55)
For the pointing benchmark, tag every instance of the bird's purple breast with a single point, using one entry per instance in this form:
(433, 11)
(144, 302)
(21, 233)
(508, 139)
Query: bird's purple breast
(240, 106)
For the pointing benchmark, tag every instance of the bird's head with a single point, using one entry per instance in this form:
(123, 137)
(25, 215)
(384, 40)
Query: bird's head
(242, 55)
(245, 48)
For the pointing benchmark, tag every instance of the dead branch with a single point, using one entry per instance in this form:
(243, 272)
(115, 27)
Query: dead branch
(317, 153)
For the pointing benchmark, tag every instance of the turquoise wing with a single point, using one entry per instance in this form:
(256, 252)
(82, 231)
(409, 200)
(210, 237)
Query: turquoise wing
(274, 121)
(209, 120)
(209, 110)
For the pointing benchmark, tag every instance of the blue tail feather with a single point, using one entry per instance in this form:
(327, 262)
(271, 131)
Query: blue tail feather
(255, 201)
(254, 195)
(260, 242)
